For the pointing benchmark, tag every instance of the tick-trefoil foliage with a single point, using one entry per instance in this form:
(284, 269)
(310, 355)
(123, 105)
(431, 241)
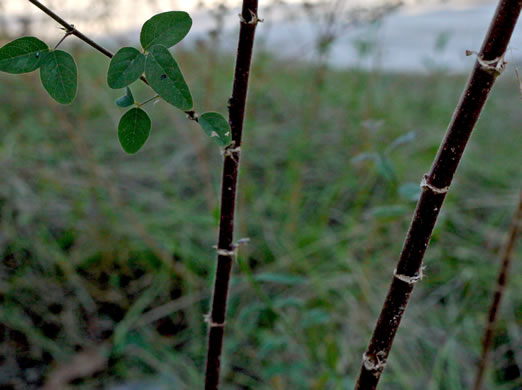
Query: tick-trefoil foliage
(154, 64)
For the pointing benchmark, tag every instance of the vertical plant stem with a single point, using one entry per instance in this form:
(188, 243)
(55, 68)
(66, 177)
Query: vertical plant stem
(226, 248)
(435, 185)
(505, 260)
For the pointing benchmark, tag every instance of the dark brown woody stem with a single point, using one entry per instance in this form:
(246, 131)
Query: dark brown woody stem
(226, 248)
(435, 185)
(505, 261)
(69, 28)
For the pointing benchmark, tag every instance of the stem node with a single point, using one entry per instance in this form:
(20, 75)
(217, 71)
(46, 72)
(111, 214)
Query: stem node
(376, 363)
(211, 324)
(254, 19)
(410, 279)
(68, 31)
(192, 115)
(424, 184)
(495, 66)
(231, 151)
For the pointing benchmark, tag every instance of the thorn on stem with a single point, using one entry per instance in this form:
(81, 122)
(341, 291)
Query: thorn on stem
(231, 151)
(68, 32)
(424, 184)
(254, 19)
(410, 279)
(376, 363)
(208, 319)
(496, 65)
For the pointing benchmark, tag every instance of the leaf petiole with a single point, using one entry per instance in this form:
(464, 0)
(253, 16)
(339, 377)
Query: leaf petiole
(147, 101)
(67, 33)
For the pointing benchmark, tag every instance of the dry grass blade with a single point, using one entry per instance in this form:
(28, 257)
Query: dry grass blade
(82, 365)
(503, 273)
(519, 82)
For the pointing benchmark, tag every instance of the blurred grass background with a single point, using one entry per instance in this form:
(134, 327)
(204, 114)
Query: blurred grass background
(107, 259)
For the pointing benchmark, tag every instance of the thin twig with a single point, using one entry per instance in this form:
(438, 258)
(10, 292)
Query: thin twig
(226, 248)
(505, 260)
(434, 189)
(71, 30)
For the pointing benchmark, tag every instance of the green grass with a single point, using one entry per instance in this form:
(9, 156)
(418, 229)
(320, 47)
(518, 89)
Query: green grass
(105, 249)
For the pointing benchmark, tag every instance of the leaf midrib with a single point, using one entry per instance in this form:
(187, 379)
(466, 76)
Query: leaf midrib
(164, 70)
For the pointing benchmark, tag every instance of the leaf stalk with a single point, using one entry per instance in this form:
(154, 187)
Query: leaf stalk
(148, 101)
(67, 33)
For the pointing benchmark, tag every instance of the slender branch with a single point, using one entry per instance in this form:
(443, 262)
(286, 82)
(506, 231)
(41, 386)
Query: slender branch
(226, 248)
(70, 29)
(435, 185)
(505, 259)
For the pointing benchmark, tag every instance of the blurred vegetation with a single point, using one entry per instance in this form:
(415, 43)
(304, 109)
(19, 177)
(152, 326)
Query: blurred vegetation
(107, 259)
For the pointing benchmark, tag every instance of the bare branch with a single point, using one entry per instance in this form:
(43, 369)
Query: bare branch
(434, 189)
(226, 248)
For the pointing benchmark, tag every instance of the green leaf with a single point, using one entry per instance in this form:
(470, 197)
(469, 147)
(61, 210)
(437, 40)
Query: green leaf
(386, 169)
(400, 141)
(126, 67)
(315, 317)
(167, 28)
(125, 100)
(133, 130)
(22, 55)
(166, 79)
(280, 278)
(59, 76)
(216, 127)
(365, 156)
(389, 212)
(288, 301)
(410, 191)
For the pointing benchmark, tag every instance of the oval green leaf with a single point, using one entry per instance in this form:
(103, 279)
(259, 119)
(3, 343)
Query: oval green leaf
(125, 100)
(22, 55)
(167, 28)
(59, 76)
(216, 127)
(166, 79)
(133, 130)
(126, 67)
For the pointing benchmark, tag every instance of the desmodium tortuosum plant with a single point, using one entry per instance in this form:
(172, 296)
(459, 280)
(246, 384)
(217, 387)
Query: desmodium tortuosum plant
(59, 75)
(226, 247)
(163, 75)
(505, 256)
(435, 185)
